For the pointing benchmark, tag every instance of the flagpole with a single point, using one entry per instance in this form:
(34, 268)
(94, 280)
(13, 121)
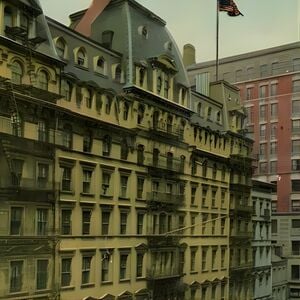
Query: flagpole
(217, 43)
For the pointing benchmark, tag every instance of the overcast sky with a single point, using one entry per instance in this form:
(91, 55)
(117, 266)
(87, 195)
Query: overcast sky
(266, 23)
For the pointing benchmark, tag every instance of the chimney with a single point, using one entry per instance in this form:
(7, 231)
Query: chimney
(189, 55)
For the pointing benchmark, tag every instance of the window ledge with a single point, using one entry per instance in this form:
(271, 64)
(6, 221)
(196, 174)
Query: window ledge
(67, 288)
(125, 280)
(106, 282)
(193, 272)
(87, 194)
(106, 196)
(124, 198)
(140, 278)
(19, 294)
(67, 192)
(87, 285)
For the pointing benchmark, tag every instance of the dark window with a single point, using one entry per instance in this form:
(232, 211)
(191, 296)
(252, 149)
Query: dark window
(140, 187)
(66, 271)
(16, 218)
(8, 17)
(42, 221)
(105, 182)
(118, 73)
(86, 181)
(295, 272)
(140, 116)
(86, 220)
(87, 142)
(296, 247)
(125, 111)
(105, 222)
(295, 223)
(86, 269)
(140, 222)
(123, 222)
(124, 149)
(66, 221)
(140, 154)
(60, 48)
(139, 264)
(81, 57)
(107, 38)
(296, 185)
(106, 145)
(67, 136)
(123, 266)
(16, 276)
(105, 266)
(42, 274)
(66, 179)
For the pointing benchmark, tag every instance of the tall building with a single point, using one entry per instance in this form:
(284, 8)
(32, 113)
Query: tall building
(269, 82)
(117, 180)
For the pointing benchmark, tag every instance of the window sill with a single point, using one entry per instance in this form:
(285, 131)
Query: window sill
(106, 196)
(106, 282)
(124, 198)
(67, 192)
(140, 278)
(124, 280)
(87, 285)
(204, 271)
(67, 288)
(214, 270)
(87, 194)
(42, 291)
(193, 272)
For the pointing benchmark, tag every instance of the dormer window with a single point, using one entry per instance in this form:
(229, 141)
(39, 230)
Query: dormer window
(24, 22)
(81, 58)
(61, 48)
(100, 67)
(8, 17)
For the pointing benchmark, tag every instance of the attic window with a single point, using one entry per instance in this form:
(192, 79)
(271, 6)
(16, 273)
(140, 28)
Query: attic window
(107, 38)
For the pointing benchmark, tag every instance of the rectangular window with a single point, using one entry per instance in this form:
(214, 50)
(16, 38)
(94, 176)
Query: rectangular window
(296, 146)
(42, 221)
(296, 164)
(273, 148)
(123, 186)
(105, 182)
(204, 195)
(249, 93)
(262, 151)
(66, 179)
(140, 187)
(86, 220)
(123, 222)
(193, 221)
(105, 222)
(262, 91)
(181, 262)
(273, 89)
(295, 223)
(193, 194)
(262, 132)
(16, 276)
(42, 175)
(274, 226)
(42, 274)
(295, 272)
(193, 259)
(204, 259)
(264, 70)
(296, 185)
(296, 107)
(296, 126)
(140, 222)
(274, 110)
(105, 261)
(213, 198)
(223, 226)
(273, 131)
(262, 112)
(139, 264)
(273, 167)
(296, 86)
(223, 256)
(66, 225)
(16, 220)
(66, 271)
(86, 181)
(214, 259)
(86, 269)
(123, 266)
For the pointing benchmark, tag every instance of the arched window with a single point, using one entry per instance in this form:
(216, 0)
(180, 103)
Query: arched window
(88, 98)
(68, 136)
(170, 160)
(140, 116)
(108, 102)
(158, 84)
(155, 119)
(218, 116)
(118, 73)
(209, 113)
(125, 111)
(61, 48)
(81, 57)
(100, 67)
(142, 76)
(124, 149)
(199, 109)
(43, 80)
(16, 73)
(8, 17)
(106, 145)
(87, 141)
(140, 154)
(169, 124)
(67, 90)
(214, 171)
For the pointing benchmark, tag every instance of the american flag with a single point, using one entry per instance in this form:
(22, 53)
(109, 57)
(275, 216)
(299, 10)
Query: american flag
(230, 7)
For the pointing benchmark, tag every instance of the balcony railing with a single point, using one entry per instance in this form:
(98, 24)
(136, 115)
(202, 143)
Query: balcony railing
(167, 130)
(241, 207)
(34, 184)
(241, 234)
(163, 240)
(174, 164)
(166, 198)
(167, 272)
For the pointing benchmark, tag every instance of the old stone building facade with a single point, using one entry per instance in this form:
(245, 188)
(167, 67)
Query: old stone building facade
(117, 180)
